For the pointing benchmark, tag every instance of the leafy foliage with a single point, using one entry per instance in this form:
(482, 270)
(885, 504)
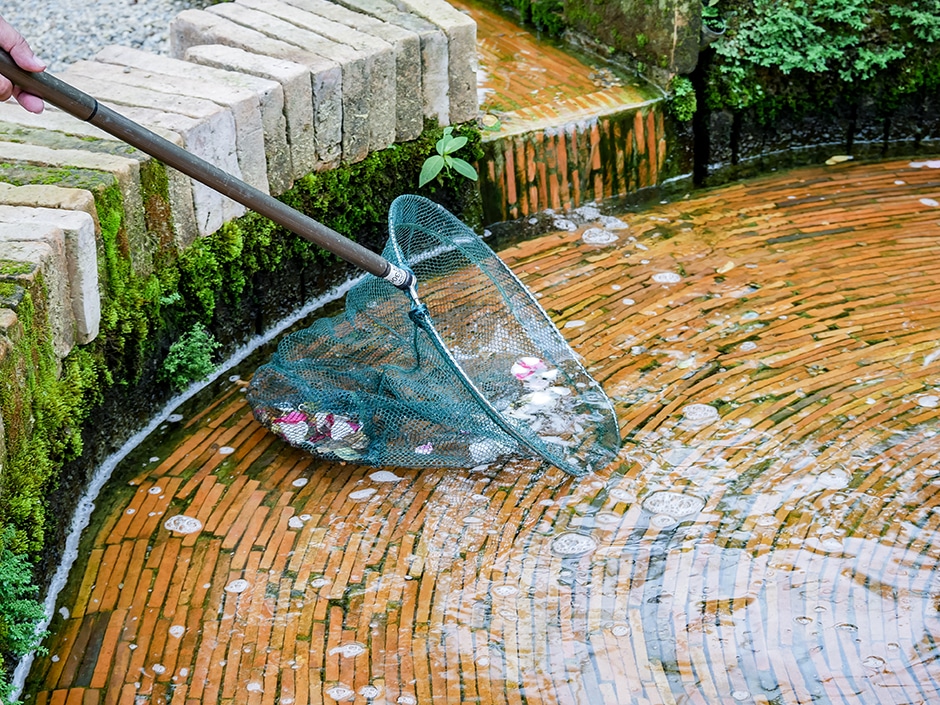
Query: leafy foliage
(190, 357)
(444, 159)
(682, 100)
(20, 612)
(795, 52)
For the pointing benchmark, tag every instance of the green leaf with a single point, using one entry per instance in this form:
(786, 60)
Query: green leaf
(442, 145)
(455, 144)
(432, 167)
(463, 168)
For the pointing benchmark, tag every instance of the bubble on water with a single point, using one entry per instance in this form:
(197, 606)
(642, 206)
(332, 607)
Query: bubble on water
(505, 590)
(834, 479)
(803, 620)
(64, 612)
(340, 692)
(158, 668)
(700, 413)
(612, 223)
(621, 495)
(483, 661)
(564, 224)
(254, 688)
(131, 510)
(295, 523)
(933, 203)
(929, 401)
(675, 504)
(574, 324)
(385, 476)
(831, 545)
(300, 482)
(666, 278)
(237, 586)
(319, 582)
(155, 459)
(349, 650)
(597, 236)
(572, 544)
(55, 658)
(875, 662)
(606, 518)
(627, 302)
(226, 450)
(740, 695)
(472, 520)
(174, 418)
(508, 614)
(406, 700)
(362, 494)
(663, 521)
(155, 490)
(177, 630)
(620, 630)
(766, 520)
(182, 524)
(185, 672)
(747, 346)
(369, 691)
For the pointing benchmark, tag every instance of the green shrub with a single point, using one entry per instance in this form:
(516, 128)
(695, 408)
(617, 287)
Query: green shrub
(20, 612)
(190, 357)
(805, 53)
(682, 100)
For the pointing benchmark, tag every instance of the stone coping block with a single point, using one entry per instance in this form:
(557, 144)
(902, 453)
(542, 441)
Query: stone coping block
(44, 245)
(193, 28)
(380, 76)
(409, 106)
(126, 172)
(205, 128)
(356, 116)
(269, 97)
(294, 80)
(206, 97)
(52, 119)
(435, 85)
(81, 260)
(47, 196)
(461, 33)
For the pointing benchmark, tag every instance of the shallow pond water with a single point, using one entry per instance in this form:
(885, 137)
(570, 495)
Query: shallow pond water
(768, 533)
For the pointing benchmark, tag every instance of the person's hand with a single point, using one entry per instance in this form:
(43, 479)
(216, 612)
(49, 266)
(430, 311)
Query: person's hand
(13, 42)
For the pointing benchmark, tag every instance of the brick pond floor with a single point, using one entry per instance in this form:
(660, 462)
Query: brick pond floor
(765, 536)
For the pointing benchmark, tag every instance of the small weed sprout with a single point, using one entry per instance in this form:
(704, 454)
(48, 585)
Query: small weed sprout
(190, 357)
(444, 159)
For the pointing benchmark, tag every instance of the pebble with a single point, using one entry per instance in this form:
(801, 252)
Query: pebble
(67, 31)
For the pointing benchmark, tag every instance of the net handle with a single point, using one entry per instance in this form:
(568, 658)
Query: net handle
(86, 108)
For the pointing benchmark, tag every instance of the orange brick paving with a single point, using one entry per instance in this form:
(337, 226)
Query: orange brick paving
(805, 313)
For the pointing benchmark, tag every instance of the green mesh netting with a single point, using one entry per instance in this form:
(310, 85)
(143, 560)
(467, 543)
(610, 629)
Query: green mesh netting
(477, 372)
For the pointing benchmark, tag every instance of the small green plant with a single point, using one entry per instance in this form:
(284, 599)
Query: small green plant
(711, 16)
(190, 357)
(444, 159)
(20, 612)
(682, 100)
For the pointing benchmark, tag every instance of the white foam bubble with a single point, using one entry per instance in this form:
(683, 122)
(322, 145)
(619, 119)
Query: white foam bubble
(237, 586)
(573, 544)
(183, 524)
(675, 504)
(348, 650)
(226, 450)
(176, 631)
(362, 494)
(300, 482)
(700, 412)
(932, 202)
(340, 692)
(666, 278)
(598, 236)
(385, 476)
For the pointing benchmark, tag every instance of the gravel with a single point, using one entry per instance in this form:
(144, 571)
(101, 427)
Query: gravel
(64, 31)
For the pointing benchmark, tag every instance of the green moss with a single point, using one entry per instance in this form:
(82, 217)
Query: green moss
(21, 173)
(12, 268)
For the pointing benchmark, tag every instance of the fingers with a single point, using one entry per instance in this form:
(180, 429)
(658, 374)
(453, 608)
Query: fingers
(13, 42)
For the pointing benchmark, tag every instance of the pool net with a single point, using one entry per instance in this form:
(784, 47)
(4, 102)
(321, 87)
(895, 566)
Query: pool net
(474, 371)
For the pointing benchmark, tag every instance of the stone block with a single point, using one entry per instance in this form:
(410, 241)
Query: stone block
(461, 33)
(268, 94)
(294, 80)
(205, 128)
(356, 118)
(409, 106)
(193, 28)
(81, 261)
(207, 96)
(45, 196)
(435, 84)
(378, 55)
(126, 173)
(44, 246)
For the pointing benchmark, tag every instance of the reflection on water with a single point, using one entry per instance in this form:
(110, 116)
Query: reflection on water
(768, 533)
